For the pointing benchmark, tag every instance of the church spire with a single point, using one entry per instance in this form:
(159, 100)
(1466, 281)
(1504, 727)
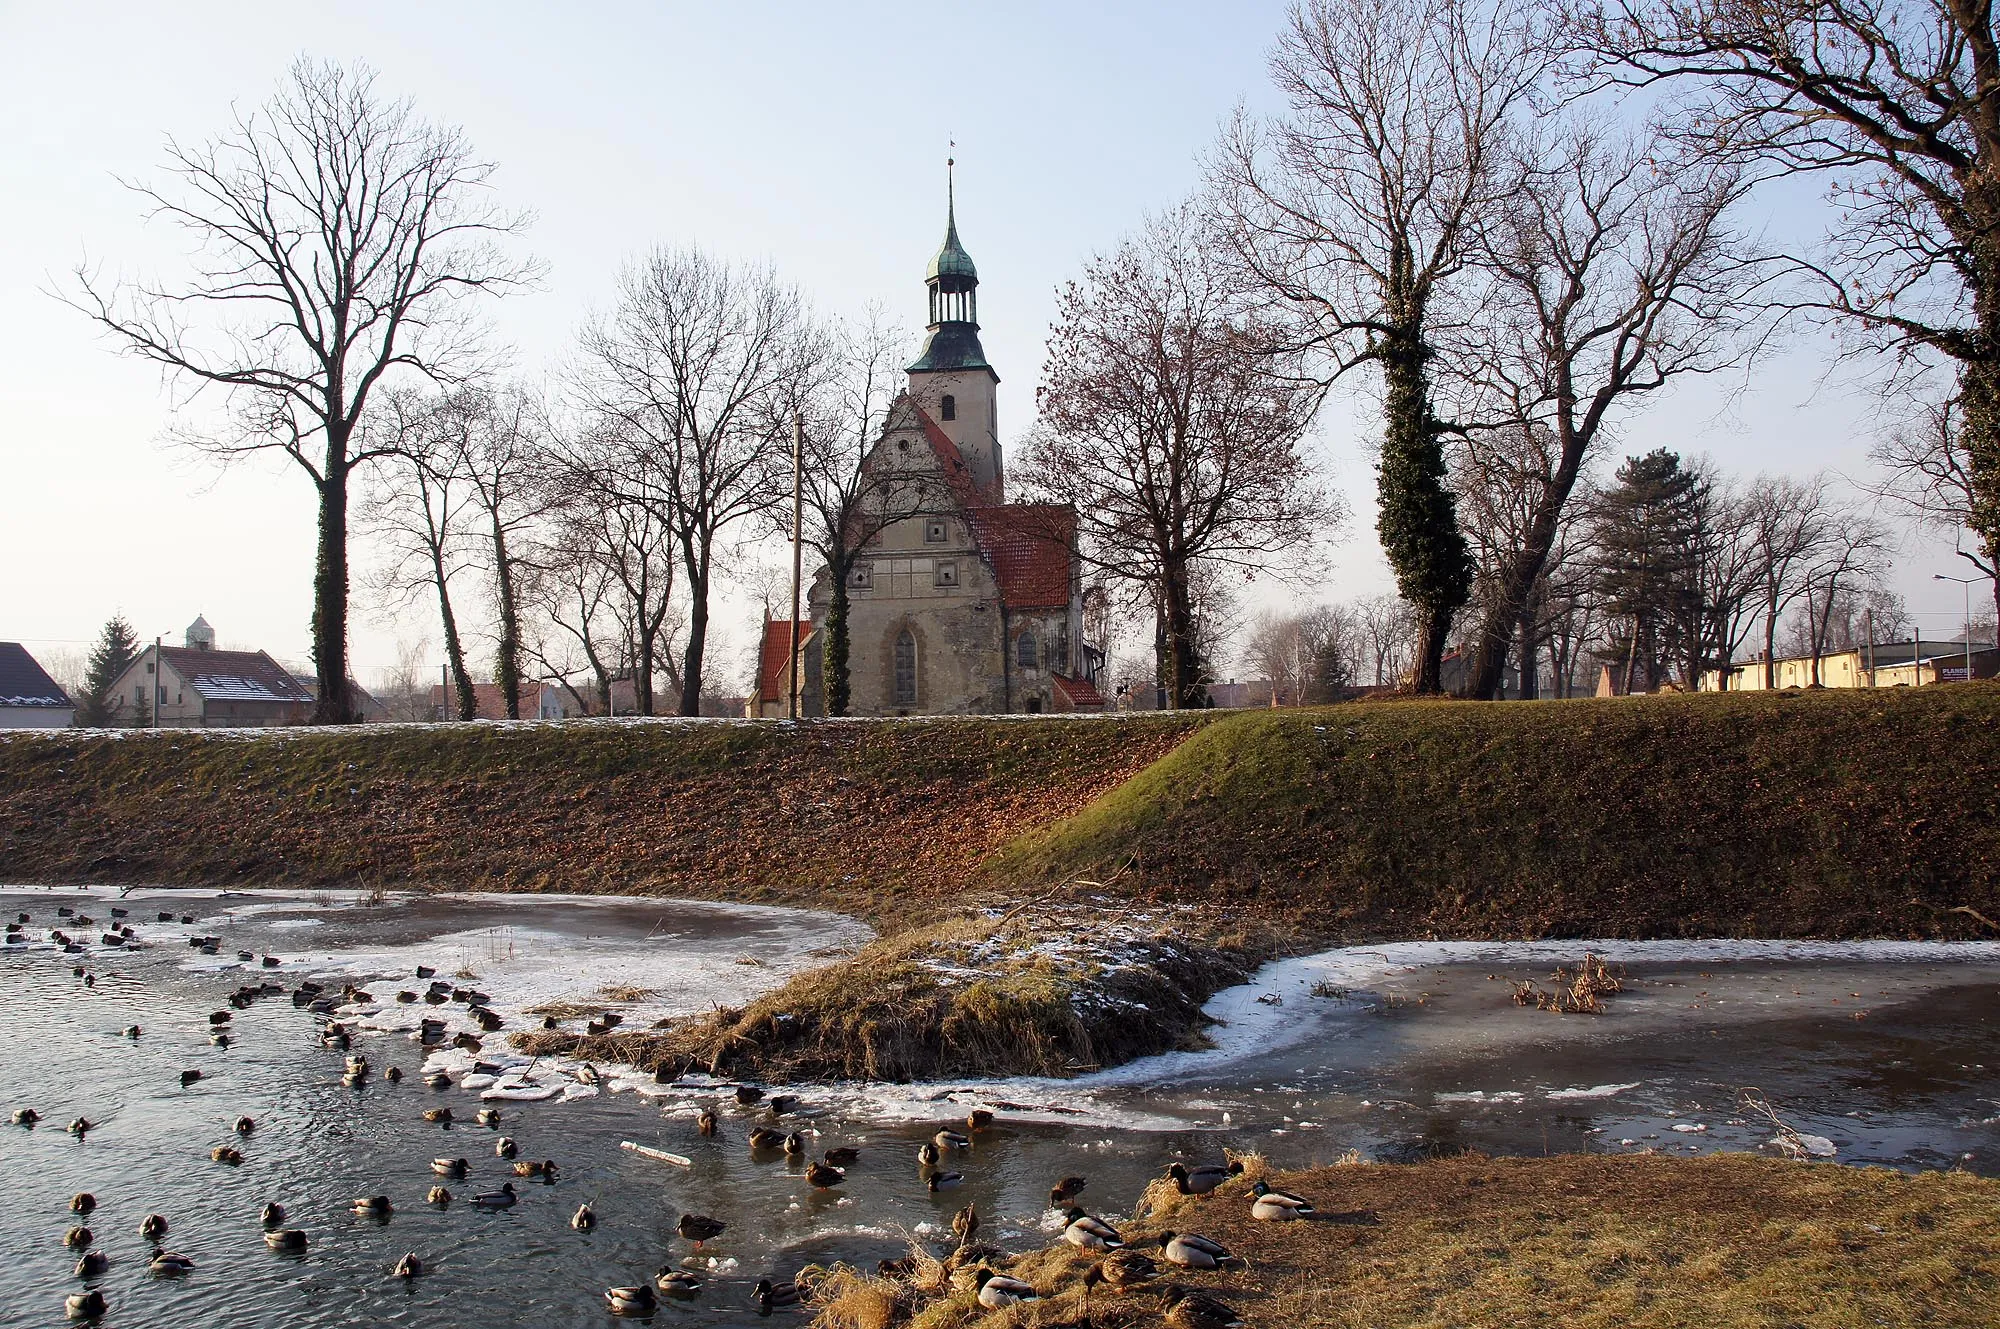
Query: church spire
(954, 295)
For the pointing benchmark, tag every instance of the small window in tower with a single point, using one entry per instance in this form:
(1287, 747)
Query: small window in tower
(934, 530)
(1024, 651)
(946, 574)
(949, 407)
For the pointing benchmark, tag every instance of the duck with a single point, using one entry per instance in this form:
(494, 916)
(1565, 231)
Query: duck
(1275, 1206)
(272, 1215)
(426, 971)
(584, 1219)
(438, 1196)
(81, 1126)
(637, 1299)
(438, 1080)
(504, 1147)
(1065, 1190)
(438, 1116)
(764, 1138)
(979, 1119)
(825, 1175)
(795, 1145)
(784, 1103)
(92, 1264)
(1185, 1309)
(170, 1264)
(1092, 1234)
(950, 1139)
(965, 1224)
(771, 1296)
(1203, 1179)
(77, 1238)
(132, 1031)
(1121, 1270)
(705, 1122)
(189, 1077)
(394, 1075)
(545, 1169)
(229, 1154)
(25, 1117)
(1191, 1250)
(501, 1199)
(998, 1291)
(371, 1206)
(245, 1125)
(699, 1228)
(844, 1155)
(84, 1305)
(487, 1117)
(748, 1095)
(286, 1239)
(407, 1267)
(927, 1155)
(944, 1181)
(153, 1226)
(678, 1283)
(82, 1202)
(449, 1167)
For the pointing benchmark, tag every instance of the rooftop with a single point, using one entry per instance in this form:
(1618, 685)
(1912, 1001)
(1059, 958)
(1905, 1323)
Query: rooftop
(23, 682)
(235, 675)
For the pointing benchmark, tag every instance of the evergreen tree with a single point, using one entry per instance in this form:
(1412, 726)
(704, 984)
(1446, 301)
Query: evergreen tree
(114, 653)
(1649, 546)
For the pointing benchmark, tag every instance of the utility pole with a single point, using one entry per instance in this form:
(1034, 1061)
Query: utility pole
(798, 556)
(1868, 631)
(1966, 631)
(158, 686)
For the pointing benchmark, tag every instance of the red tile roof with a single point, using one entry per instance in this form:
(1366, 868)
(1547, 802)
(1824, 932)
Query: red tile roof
(956, 473)
(1030, 547)
(772, 654)
(1078, 692)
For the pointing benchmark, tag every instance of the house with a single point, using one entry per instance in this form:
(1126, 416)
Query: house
(546, 699)
(959, 602)
(1890, 664)
(29, 698)
(195, 685)
(772, 698)
(367, 707)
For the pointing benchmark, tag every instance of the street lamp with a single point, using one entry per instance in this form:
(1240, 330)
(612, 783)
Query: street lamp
(1966, 582)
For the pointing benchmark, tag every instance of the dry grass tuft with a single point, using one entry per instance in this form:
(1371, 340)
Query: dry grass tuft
(1581, 993)
(845, 1298)
(626, 994)
(569, 1010)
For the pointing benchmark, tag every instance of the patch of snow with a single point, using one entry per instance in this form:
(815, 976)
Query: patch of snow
(1596, 1091)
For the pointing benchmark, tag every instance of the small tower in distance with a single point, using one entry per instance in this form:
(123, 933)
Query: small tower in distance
(951, 379)
(200, 636)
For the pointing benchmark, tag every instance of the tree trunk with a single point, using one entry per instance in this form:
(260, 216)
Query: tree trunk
(1770, 643)
(1183, 662)
(837, 682)
(454, 650)
(1529, 683)
(334, 706)
(507, 669)
(1417, 517)
(697, 635)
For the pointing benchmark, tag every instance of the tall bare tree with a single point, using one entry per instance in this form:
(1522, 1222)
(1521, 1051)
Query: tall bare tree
(1171, 420)
(1928, 477)
(1357, 212)
(687, 364)
(1897, 102)
(339, 241)
(1794, 524)
(501, 436)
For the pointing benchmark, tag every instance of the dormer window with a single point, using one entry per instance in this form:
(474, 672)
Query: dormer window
(934, 531)
(948, 408)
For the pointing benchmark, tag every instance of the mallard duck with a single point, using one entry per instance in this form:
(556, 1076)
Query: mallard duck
(449, 1167)
(824, 1175)
(979, 1119)
(1279, 1206)
(546, 1169)
(220, 1038)
(764, 1138)
(394, 1075)
(1065, 1190)
(229, 1154)
(748, 1094)
(1092, 1234)
(950, 1139)
(843, 1155)
(407, 1267)
(1191, 1250)
(699, 1228)
(286, 1239)
(438, 1116)
(1202, 1180)
(84, 1305)
(133, 1031)
(153, 1226)
(82, 1202)
(705, 1122)
(678, 1283)
(244, 1125)
(504, 1147)
(795, 1145)
(81, 1126)
(928, 1154)
(487, 1117)
(965, 1224)
(998, 1291)
(783, 1103)
(1185, 1309)
(170, 1264)
(500, 1199)
(584, 1219)
(637, 1299)
(426, 971)
(775, 1296)
(356, 1066)
(944, 1181)
(25, 1117)
(371, 1206)
(77, 1238)
(92, 1264)
(272, 1214)
(1121, 1270)
(189, 1077)
(438, 1080)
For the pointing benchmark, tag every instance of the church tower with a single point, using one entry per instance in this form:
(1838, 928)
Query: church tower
(951, 380)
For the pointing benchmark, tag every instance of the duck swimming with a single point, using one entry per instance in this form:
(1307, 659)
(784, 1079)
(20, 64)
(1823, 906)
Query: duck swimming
(153, 1226)
(927, 1155)
(678, 1283)
(504, 1147)
(92, 1264)
(407, 1267)
(449, 1167)
(84, 1305)
(82, 1202)
(637, 1299)
(80, 1127)
(706, 1122)
(371, 1206)
(546, 1169)
(843, 1156)
(25, 1117)
(748, 1094)
(244, 1125)
(944, 1181)
(584, 1219)
(795, 1145)
(500, 1199)
(950, 1139)
(825, 1175)
(229, 1154)
(771, 1296)
(286, 1239)
(170, 1264)
(487, 1116)
(77, 1238)
(437, 1195)
(438, 1116)
(273, 1214)
(764, 1138)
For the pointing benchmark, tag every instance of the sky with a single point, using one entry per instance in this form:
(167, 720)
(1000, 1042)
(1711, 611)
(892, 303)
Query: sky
(810, 136)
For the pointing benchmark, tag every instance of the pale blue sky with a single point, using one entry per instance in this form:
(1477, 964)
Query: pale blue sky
(812, 136)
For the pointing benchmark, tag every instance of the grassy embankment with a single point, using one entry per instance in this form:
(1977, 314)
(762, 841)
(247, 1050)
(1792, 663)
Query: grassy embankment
(1576, 1241)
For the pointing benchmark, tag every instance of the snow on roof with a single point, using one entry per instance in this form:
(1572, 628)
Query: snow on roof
(235, 675)
(24, 682)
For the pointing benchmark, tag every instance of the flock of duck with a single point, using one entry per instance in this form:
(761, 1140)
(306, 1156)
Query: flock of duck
(1120, 1268)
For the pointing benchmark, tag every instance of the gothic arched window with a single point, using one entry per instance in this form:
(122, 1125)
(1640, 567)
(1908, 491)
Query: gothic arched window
(949, 407)
(1024, 650)
(906, 668)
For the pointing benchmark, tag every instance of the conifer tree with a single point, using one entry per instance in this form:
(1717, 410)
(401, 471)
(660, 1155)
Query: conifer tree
(114, 653)
(1649, 538)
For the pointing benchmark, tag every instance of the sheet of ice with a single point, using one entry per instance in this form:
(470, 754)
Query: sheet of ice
(1595, 1091)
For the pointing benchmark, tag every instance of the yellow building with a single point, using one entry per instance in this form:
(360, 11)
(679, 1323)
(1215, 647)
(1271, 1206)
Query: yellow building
(1894, 664)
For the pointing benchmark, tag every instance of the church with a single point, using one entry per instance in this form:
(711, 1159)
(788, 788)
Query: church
(961, 603)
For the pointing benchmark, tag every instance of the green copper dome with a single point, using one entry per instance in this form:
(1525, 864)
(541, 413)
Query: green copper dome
(952, 260)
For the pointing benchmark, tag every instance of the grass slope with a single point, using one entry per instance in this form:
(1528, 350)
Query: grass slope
(1828, 813)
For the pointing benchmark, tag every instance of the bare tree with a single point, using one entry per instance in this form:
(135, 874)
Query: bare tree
(1928, 477)
(501, 439)
(1357, 213)
(1171, 421)
(1794, 525)
(1614, 273)
(339, 240)
(1389, 624)
(1898, 103)
(1854, 554)
(687, 365)
(1310, 657)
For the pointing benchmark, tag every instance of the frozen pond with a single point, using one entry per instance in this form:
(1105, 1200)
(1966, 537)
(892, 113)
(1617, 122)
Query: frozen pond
(1404, 1051)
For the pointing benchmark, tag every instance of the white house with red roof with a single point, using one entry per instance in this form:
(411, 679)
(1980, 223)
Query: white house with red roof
(969, 605)
(196, 685)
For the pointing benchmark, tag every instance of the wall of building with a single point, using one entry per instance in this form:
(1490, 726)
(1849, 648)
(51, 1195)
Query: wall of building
(36, 717)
